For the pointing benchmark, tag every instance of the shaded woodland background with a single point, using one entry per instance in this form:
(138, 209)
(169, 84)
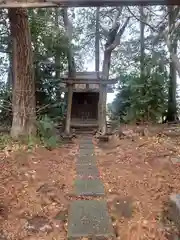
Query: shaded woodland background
(139, 165)
(35, 46)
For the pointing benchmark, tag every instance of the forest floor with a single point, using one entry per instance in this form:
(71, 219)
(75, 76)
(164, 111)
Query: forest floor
(139, 174)
(34, 192)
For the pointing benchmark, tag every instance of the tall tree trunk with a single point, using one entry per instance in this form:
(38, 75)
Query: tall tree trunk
(112, 42)
(97, 39)
(142, 56)
(97, 57)
(172, 104)
(10, 70)
(23, 103)
(103, 89)
(71, 69)
(57, 56)
(142, 44)
(70, 55)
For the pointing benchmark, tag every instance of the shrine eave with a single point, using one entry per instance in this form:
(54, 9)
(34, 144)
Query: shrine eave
(86, 90)
(89, 81)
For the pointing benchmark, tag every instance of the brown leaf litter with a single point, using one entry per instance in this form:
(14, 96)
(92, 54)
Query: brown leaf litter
(34, 188)
(139, 177)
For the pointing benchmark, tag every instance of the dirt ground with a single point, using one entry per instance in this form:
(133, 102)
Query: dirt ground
(34, 188)
(139, 173)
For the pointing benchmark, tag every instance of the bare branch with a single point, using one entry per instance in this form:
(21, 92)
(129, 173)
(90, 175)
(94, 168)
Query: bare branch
(140, 20)
(119, 12)
(120, 32)
(161, 25)
(164, 31)
(104, 31)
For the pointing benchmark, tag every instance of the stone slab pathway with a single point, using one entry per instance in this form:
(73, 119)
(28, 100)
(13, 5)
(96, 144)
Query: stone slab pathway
(86, 152)
(86, 160)
(86, 146)
(88, 218)
(86, 170)
(88, 187)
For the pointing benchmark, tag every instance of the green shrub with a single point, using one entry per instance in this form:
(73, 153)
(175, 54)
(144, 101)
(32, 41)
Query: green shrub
(46, 132)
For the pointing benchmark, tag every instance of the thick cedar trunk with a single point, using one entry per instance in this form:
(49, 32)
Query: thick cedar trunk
(172, 105)
(23, 103)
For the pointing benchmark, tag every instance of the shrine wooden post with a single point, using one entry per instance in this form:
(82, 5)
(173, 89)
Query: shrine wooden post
(69, 107)
(102, 107)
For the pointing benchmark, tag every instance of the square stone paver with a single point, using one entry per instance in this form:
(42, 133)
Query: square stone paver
(89, 218)
(88, 187)
(86, 160)
(86, 146)
(86, 151)
(86, 171)
(86, 141)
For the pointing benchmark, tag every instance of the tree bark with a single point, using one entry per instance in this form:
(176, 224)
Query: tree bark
(97, 39)
(172, 104)
(142, 58)
(57, 56)
(97, 57)
(10, 70)
(103, 89)
(113, 41)
(23, 103)
(142, 43)
(69, 107)
(164, 32)
(71, 70)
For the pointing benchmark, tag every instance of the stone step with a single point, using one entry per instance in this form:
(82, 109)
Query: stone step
(89, 218)
(86, 152)
(86, 160)
(88, 187)
(86, 140)
(86, 171)
(86, 146)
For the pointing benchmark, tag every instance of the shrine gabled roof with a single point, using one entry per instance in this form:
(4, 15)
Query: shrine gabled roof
(87, 77)
(84, 75)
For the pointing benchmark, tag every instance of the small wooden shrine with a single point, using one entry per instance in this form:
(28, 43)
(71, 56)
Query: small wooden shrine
(85, 107)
